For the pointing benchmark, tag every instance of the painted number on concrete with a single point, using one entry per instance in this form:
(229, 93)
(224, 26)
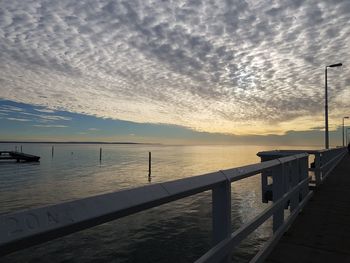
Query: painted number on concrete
(33, 222)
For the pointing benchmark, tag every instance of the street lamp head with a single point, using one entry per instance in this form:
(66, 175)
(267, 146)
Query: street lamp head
(347, 117)
(335, 65)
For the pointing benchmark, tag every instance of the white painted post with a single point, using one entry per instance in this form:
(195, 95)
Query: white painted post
(221, 213)
(277, 193)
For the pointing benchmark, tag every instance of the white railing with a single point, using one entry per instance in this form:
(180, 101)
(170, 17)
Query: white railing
(324, 161)
(289, 190)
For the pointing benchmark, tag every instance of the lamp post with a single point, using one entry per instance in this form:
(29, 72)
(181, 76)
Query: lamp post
(343, 128)
(326, 104)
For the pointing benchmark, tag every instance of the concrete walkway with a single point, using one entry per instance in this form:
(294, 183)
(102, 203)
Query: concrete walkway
(321, 233)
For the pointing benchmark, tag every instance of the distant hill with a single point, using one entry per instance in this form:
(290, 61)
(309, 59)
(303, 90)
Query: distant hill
(48, 142)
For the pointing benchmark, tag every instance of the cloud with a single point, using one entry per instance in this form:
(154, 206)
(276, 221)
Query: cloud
(317, 128)
(18, 119)
(93, 129)
(10, 108)
(240, 67)
(6, 110)
(15, 113)
(45, 110)
(49, 126)
(46, 118)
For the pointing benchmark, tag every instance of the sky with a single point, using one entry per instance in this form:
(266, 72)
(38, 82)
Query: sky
(173, 71)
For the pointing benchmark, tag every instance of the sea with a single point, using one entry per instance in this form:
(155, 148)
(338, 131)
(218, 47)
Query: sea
(179, 231)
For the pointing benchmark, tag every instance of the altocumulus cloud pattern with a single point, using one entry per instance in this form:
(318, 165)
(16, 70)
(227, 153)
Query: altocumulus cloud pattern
(217, 66)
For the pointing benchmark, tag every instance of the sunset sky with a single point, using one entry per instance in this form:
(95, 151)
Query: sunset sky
(173, 71)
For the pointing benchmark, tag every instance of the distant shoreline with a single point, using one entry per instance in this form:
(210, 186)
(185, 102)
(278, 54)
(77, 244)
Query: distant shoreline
(44, 142)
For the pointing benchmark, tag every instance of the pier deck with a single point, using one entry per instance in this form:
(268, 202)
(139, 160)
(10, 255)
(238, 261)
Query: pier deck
(321, 233)
(18, 156)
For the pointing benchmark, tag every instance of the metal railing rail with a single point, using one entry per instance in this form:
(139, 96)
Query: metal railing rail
(217, 253)
(324, 160)
(290, 189)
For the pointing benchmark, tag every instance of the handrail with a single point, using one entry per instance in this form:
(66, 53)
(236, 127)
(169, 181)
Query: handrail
(302, 151)
(34, 226)
(325, 160)
(237, 236)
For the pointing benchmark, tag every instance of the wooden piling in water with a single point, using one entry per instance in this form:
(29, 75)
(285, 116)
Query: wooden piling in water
(52, 150)
(21, 149)
(149, 164)
(100, 154)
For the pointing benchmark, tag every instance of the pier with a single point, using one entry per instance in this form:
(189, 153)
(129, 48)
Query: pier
(321, 233)
(18, 156)
(298, 185)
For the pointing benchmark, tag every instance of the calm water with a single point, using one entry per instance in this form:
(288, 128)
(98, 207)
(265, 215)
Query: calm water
(176, 232)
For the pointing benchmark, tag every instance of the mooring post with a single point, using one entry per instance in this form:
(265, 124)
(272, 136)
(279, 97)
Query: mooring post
(149, 164)
(52, 150)
(100, 154)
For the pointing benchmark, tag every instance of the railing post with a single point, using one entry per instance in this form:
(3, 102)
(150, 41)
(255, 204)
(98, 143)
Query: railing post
(277, 193)
(295, 179)
(318, 168)
(221, 210)
(304, 173)
(325, 158)
(264, 186)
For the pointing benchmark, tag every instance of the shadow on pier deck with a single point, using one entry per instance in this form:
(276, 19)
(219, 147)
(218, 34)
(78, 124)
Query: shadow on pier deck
(321, 233)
